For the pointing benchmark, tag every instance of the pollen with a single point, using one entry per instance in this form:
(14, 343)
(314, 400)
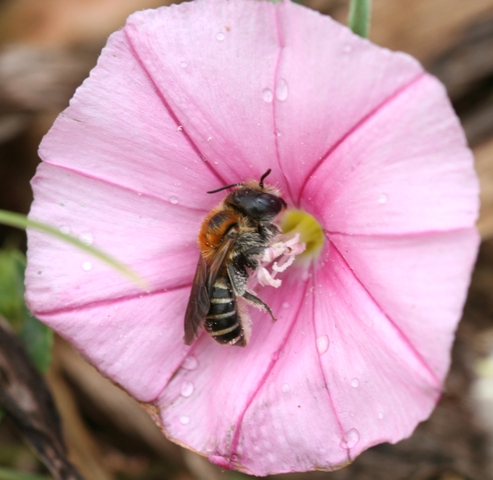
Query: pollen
(310, 230)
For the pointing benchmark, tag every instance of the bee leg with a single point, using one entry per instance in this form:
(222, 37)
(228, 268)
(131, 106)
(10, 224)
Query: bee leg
(251, 257)
(256, 302)
(238, 278)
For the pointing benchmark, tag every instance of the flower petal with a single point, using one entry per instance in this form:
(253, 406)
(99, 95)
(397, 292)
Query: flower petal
(216, 75)
(156, 239)
(119, 129)
(379, 386)
(199, 409)
(136, 341)
(406, 169)
(328, 82)
(420, 282)
(222, 111)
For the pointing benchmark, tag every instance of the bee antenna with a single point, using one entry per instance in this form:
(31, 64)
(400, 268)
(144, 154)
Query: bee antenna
(224, 188)
(262, 178)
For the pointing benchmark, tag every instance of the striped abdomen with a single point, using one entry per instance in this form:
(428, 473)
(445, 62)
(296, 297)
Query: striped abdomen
(223, 321)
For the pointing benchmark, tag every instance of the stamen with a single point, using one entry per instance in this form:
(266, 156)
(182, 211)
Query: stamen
(285, 253)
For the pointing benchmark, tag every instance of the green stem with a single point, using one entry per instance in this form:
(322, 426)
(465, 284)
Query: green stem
(359, 17)
(7, 474)
(21, 221)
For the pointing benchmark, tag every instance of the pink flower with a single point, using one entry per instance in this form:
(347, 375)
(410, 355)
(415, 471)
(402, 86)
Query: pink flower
(188, 98)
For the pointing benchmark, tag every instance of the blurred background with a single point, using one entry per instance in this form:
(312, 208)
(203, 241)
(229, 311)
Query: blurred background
(47, 48)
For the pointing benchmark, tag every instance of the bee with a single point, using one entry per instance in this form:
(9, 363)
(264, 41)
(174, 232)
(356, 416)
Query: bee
(232, 239)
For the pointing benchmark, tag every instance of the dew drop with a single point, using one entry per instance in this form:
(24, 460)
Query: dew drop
(220, 36)
(190, 363)
(348, 48)
(180, 128)
(286, 305)
(86, 238)
(305, 275)
(184, 64)
(383, 197)
(351, 438)
(285, 388)
(267, 95)
(86, 266)
(282, 90)
(187, 389)
(65, 229)
(184, 420)
(209, 139)
(277, 132)
(322, 344)
(355, 383)
(173, 200)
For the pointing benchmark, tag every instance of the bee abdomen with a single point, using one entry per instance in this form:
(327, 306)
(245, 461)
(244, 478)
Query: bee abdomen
(222, 321)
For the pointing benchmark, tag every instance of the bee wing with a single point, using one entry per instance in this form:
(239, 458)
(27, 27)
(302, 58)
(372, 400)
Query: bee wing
(199, 303)
(205, 276)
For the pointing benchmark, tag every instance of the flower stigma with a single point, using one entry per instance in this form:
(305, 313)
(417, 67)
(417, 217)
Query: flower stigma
(309, 229)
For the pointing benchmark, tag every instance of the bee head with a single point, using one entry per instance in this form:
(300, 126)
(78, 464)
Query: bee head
(255, 203)
(254, 199)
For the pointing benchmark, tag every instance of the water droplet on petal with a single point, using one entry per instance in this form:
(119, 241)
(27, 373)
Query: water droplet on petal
(277, 132)
(220, 36)
(285, 387)
(184, 420)
(267, 95)
(347, 48)
(305, 275)
(190, 363)
(187, 389)
(322, 344)
(355, 383)
(209, 139)
(180, 128)
(86, 266)
(173, 200)
(65, 229)
(383, 197)
(285, 305)
(184, 64)
(282, 90)
(351, 438)
(86, 238)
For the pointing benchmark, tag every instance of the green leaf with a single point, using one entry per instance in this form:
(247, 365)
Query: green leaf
(12, 287)
(38, 340)
(21, 221)
(36, 337)
(359, 17)
(7, 474)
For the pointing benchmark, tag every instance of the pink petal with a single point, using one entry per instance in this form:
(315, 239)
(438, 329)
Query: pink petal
(379, 386)
(405, 169)
(329, 81)
(419, 282)
(223, 412)
(135, 341)
(214, 75)
(119, 129)
(157, 239)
